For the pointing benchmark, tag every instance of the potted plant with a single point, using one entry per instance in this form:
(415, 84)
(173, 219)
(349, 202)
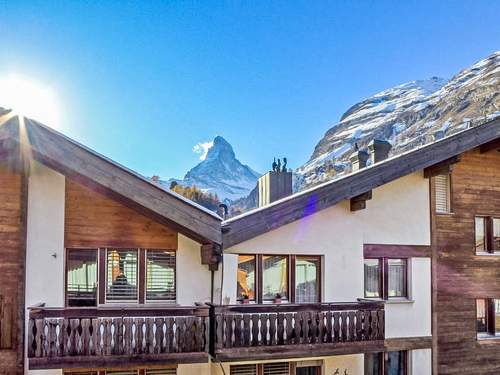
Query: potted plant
(245, 299)
(277, 298)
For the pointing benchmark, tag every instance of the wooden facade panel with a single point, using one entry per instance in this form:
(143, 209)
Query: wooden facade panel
(95, 220)
(11, 275)
(461, 276)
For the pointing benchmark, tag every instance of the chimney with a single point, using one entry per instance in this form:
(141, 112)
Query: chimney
(379, 150)
(274, 185)
(222, 211)
(358, 160)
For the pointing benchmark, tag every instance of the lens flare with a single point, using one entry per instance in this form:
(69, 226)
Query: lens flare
(29, 98)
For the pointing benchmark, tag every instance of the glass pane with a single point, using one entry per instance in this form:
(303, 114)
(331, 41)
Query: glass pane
(397, 277)
(246, 276)
(496, 234)
(480, 237)
(306, 279)
(395, 363)
(121, 275)
(481, 315)
(160, 275)
(309, 370)
(81, 279)
(275, 277)
(372, 278)
(496, 302)
(373, 364)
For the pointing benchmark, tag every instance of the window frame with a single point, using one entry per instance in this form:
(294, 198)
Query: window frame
(255, 284)
(449, 194)
(382, 358)
(139, 277)
(490, 319)
(489, 235)
(102, 276)
(66, 258)
(291, 276)
(165, 301)
(384, 279)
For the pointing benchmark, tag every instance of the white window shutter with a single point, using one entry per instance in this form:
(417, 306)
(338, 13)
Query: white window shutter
(282, 368)
(250, 369)
(443, 193)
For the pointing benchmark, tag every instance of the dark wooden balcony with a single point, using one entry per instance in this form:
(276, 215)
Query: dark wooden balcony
(109, 337)
(248, 332)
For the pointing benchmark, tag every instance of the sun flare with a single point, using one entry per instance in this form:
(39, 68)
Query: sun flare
(30, 99)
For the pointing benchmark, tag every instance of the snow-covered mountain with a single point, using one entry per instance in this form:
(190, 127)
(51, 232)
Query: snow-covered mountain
(221, 173)
(407, 115)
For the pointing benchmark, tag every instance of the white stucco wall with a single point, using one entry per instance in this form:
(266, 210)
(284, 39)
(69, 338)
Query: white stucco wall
(398, 213)
(193, 278)
(45, 237)
(414, 318)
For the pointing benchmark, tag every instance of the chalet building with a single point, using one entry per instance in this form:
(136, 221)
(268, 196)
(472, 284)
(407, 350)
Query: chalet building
(391, 269)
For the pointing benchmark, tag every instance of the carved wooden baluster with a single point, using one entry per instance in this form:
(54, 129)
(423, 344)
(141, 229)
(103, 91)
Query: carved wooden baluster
(272, 318)
(288, 331)
(170, 335)
(359, 327)
(237, 330)
(336, 326)
(85, 336)
(265, 329)
(255, 329)
(280, 332)
(246, 330)
(352, 325)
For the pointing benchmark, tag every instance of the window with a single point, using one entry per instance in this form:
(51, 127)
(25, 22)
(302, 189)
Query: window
(373, 278)
(389, 363)
(296, 278)
(160, 275)
(488, 317)
(443, 193)
(274, 277)
(246, 276)
(480, 232)
(281, 368)
(122, 283)
(307, 279)
(487, 234)
(99, 276)
(81, 277)
(397, 278)
(386, 278)
(250, 369)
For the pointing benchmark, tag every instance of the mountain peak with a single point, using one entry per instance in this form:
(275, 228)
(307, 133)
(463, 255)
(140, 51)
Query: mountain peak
(220, 172)
(220, 148)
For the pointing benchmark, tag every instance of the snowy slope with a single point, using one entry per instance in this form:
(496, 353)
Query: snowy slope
(221, 173)
(408, 115)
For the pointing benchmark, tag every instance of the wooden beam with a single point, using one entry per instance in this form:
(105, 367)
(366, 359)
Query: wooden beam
(359, 202)
(490, 146)
(408, 343)
(443, 167)
(110, 361)
(403, 251)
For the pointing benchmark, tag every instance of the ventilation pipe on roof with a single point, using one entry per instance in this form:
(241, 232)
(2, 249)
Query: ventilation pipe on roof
(222, 211)
(379, 150)
(358, 160)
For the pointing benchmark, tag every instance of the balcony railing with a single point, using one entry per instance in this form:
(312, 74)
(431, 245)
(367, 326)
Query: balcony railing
(287, 330)
(113, 337)
(106, 337)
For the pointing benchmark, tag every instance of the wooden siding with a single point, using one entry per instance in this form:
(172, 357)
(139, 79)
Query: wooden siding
(11, 272)
(459, 275)
(95, 220)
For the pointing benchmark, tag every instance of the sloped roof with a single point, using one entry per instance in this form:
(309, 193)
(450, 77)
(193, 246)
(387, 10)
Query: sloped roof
(297, 206)
(73, 159)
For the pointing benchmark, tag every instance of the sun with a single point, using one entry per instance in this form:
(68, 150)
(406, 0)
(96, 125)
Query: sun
(30, 99)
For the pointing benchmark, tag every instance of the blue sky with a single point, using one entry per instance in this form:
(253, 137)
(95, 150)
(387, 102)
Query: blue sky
(143, 82)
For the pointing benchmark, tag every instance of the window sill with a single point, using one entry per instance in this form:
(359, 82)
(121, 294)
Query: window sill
(487, 339)
(486, 254)
(445, 213)
(397, 301)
